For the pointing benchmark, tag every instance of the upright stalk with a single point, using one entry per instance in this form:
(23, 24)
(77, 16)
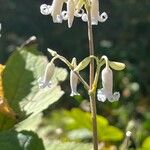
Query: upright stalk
(91, 80)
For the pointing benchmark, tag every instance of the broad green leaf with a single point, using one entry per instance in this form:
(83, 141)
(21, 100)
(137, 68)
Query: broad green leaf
(6, 121)
(25, 140)
(146, 144)
(83, 64)
(76, 120)
(57, 145)
(117, 65)
(110, 133)
(82, 119)
(20, 76)
(30, 124)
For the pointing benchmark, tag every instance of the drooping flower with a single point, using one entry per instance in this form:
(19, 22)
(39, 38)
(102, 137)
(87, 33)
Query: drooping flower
(107, 82)
(74, 8)
(95, 15)
(73, 80)
(49, 72)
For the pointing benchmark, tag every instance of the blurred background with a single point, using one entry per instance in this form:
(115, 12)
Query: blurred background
(124, 37)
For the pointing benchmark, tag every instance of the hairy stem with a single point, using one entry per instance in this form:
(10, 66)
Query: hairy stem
(91, 76)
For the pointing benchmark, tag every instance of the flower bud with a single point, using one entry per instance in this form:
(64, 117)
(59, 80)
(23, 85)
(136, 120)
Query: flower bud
(49, 72)
(73, 80)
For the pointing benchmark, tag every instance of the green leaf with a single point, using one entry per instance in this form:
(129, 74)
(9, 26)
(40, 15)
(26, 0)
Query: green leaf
(110, 133)
(83, 64)
(6, 121)
(82, 119)
(57, 145)
(146, 144)
(20, 141)
(30, 124)
(20, 76)
(117, 65)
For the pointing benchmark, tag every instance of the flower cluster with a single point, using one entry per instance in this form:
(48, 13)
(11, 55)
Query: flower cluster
(106, 92)
(74, 8)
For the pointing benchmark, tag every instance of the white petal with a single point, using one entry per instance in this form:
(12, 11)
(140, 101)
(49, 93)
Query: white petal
(85, 17)
(73, 83)
(95, 11)
(49, 72)
(64, 15)
(107, 81)
(70, 12)
(56, 10)
(45, 9)
(101, 95)
(103, 17)
(114, 97)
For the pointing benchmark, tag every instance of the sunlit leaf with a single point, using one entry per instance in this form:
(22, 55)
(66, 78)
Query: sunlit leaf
(110, 133)
(20, 76)
(30, 124)
(146, 144)
(76, 120)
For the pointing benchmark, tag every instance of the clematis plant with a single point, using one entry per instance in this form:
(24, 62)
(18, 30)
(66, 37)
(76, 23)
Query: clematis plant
(88, 11)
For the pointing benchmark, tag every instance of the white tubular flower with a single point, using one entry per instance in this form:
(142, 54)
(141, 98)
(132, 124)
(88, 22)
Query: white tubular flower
(95, 13)
(49, 72)
(73, 80)
(56, 10)
(107, 82)
(70, 12)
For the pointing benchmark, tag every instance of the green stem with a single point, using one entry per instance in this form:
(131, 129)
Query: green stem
(92, 95)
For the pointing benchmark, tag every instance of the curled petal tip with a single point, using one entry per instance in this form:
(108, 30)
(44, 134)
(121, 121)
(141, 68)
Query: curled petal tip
(45, 9)
(114, 97)
(85, 17)
(101, 95)
(103, 17)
